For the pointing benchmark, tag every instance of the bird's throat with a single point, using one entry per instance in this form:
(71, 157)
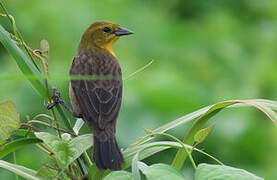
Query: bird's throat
(109, 48)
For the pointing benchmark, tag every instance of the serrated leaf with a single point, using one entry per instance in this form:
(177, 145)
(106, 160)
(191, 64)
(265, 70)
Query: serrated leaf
(215, 172)
(202, 134)
(122, 175)
(9, 120)
(66, 151)
(162, 172)
(19, 170)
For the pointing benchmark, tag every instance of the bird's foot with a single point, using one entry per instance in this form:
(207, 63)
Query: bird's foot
(56, 98)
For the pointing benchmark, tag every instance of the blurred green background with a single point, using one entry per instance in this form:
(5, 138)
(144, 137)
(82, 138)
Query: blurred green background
(203, 51)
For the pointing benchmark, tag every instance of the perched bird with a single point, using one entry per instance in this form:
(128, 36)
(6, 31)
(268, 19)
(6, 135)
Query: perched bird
(98, 100)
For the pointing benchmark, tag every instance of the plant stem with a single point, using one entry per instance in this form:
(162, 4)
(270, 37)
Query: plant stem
(181, 143)
(18, 34)
(29, 126)
(14, 161)
(48, 125)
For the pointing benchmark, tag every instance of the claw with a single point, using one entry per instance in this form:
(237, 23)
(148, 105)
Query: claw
(50, 105)
(56, 99)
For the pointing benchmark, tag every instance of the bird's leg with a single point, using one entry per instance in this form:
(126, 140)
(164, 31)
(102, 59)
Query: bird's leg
(58, 100)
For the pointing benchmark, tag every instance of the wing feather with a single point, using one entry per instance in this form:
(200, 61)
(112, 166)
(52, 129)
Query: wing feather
(99, 100)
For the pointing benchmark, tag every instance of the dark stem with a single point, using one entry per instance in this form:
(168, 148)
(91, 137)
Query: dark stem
(29, 126)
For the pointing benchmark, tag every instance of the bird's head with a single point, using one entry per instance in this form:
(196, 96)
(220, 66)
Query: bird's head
(102, 34)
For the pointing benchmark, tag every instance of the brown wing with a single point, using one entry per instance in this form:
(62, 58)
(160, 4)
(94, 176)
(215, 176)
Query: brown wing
(99, 100)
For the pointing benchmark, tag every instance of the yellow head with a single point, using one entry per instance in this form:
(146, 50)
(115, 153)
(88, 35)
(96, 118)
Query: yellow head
(102, 34)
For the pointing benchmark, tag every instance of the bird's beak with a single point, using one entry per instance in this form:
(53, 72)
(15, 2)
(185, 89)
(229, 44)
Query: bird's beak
(122, 31)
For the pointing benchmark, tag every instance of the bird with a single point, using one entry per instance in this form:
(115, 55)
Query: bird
(97, 100)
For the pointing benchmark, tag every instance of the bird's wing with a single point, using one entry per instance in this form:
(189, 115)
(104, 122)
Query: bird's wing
(99, 100)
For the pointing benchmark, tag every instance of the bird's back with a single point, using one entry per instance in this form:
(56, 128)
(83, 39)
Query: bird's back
(98, 96)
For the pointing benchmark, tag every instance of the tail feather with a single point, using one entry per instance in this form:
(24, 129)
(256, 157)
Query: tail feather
(106, 154)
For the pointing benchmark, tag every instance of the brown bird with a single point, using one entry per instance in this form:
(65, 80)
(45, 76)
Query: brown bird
(98, 100)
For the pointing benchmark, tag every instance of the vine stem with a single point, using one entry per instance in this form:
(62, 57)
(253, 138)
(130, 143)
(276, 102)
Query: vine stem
(151, 133)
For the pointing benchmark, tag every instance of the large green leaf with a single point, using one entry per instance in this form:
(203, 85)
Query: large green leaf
(66, 151)
(162, 172)
(9, 120)
(266, 106)
(215, 172)
(20, 170)
(122, 175)
(23, 62)
(17, 144)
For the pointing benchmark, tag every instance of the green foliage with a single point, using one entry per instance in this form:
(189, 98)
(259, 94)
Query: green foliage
(70, 153)
(162, 172)
(202, 134)
(17, 144)
(66, 151)
(46, 173)
(122, 175)
(214, 172)
(266, 106)
(22, 61)
(19, 170)
(9, 120)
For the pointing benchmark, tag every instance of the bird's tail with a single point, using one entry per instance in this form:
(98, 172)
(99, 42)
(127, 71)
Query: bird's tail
(106, 154)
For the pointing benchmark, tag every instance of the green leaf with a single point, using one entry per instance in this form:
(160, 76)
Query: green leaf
(22, 61)
(94, 172)
(46, 173)
(215, 172)
(9, 120)
(266, 106)
(122, 175)
(66, 151)
(23, 132)
(142, 166)
(19, 170)
(162, 172)
(202, 134)
(17, 144)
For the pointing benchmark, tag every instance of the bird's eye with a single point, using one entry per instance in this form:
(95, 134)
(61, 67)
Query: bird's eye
(106, 29)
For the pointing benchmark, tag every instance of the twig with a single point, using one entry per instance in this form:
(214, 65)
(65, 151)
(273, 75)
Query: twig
(29, 126)
(48, 125)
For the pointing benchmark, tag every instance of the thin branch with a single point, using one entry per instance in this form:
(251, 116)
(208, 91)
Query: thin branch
(29, 126)
(48, 125)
